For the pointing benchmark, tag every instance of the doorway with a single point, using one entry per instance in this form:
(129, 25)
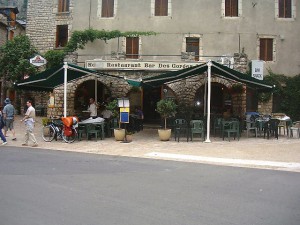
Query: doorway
(150, 98)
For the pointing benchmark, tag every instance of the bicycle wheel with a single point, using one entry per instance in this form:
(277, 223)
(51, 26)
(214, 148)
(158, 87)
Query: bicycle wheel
(48, 133)
(71, 138)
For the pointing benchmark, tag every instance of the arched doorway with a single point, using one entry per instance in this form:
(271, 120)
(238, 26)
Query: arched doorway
(86, 90)
(220, 99)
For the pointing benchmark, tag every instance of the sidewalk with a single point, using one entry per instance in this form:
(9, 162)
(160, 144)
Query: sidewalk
(281, 154)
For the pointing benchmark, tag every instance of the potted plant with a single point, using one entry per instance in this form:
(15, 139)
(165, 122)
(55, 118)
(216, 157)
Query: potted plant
(166, 108)
(128, 136)
(119, 133)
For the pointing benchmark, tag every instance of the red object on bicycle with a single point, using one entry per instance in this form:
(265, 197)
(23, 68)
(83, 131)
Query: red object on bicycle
(68, 131)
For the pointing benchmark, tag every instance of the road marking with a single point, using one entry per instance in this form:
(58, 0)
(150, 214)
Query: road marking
(245, 162)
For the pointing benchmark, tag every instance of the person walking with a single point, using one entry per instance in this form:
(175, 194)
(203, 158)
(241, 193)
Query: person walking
(2, 123)
(29, 119)
(8, 117)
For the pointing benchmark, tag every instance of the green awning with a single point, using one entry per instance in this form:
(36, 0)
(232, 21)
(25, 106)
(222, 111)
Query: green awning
(51, 78)
(216, 68)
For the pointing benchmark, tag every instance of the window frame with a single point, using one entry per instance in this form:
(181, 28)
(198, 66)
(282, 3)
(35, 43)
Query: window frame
(100, 10)
(135, 47)
(293, 11)
(239, 9)
(168, 8)
(267, 51)
(63, 6)
(58, 33)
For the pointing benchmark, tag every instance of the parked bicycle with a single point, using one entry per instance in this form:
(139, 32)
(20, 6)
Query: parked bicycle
(56, 129)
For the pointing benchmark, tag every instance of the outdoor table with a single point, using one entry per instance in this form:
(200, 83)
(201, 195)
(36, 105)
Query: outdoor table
(97, 121)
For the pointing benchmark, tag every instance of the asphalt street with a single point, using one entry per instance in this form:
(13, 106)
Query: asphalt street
(45, 187)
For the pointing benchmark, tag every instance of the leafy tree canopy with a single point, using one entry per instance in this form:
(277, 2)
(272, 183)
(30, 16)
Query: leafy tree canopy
(14, 58)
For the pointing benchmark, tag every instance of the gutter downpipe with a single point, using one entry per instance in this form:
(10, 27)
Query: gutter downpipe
(209, 64)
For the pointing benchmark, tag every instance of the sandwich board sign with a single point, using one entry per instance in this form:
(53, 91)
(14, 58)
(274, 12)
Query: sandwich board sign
(258, 69)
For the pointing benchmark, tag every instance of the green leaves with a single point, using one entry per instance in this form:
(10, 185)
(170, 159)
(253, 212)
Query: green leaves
(54, 57)
(80, 38)
(14, 58)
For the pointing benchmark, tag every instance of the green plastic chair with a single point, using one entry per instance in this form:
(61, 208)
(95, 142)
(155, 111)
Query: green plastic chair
(180, 128)
(94, 129)
(231, 127)
(197, 127)
(81, 130)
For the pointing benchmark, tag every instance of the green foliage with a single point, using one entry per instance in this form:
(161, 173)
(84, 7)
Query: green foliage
(291, 98)
(80, 38)
(166, 108)
(288, 88)
(54, 58)
(113, 107)
(14, 58)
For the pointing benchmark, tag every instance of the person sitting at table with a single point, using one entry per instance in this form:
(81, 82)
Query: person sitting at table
(92, 108)
(140, 117)
(106, 114)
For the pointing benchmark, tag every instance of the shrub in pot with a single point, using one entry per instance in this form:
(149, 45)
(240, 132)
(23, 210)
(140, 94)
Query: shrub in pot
(166, 108)
(119, 133)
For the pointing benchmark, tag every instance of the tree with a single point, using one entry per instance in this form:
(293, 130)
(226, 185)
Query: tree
(14, 59)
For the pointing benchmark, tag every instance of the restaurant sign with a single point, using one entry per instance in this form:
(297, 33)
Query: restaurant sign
(258, 69)
(38, 60)
(137, 65)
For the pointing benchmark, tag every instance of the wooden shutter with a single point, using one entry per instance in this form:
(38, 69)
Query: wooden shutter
(231, 8)
(266, 49)
(161, 8)
(63, 5)
(285, 8)
(192, 45)
(132, 48)
(107, 8)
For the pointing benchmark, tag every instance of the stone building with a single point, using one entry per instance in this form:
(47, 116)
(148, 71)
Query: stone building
(187, 33)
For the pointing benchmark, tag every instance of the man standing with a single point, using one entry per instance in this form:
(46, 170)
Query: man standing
(9, 116)
(29, 119)
(92, 108)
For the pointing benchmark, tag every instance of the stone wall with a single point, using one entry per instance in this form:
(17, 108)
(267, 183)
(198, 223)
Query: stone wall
(42, 19)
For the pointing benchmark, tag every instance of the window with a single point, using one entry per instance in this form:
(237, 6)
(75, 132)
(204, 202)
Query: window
(285, 8)
(132, 48)
(161, 8)
(192, 45)
(266, 49)
(231, 8)
(61, 36)
(107, 8)
(63, 5)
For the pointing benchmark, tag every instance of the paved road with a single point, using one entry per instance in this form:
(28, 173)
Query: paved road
(42, 187)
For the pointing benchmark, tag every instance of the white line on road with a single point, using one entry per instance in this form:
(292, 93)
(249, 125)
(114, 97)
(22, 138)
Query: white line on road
(288, 165)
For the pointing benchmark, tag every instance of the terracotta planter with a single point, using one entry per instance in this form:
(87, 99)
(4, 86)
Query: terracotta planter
(164, 135)
(119, 134)
(129, 137)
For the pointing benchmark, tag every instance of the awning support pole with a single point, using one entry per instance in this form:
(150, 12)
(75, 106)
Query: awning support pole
(209, 64)
(65, 87)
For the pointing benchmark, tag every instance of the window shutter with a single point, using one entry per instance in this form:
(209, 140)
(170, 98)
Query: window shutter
(266, 49)
(231, 8)
(285, 8)
(107, 8)
(132, 48)
(269, 49)
(161, 8)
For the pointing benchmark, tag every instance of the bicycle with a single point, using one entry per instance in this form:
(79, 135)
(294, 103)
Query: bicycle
(55, 129)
